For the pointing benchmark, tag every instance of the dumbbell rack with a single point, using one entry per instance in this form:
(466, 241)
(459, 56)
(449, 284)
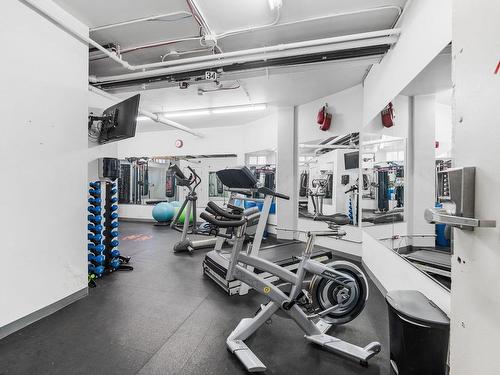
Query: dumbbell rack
(103, 254)
(114, 260)
(95, 248)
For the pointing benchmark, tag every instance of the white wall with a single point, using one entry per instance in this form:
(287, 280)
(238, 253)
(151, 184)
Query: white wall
(254, 136)
(426, 30)
(475, 298)
(401, 126)
(287, 171)
(43, 146)
(346, 107)
(444, 130)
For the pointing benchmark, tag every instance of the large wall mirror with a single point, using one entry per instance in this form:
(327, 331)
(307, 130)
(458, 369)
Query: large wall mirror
(328, 177)
(403, 170)
(148, 181)
(383, 172)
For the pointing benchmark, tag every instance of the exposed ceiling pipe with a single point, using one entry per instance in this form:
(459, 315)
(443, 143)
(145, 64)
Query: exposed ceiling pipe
(151, 45)
(256, 54)
(195, 11)
(144, 19)
(275, 24)
(272, 25)
(153, 116)
(279, 47)
(253, 28)
(113, 56)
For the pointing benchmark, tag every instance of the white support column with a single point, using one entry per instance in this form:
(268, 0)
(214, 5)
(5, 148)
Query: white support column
(421, 142)
(286, 181)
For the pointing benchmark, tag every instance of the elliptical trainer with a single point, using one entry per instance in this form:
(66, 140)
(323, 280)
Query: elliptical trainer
(189, 227)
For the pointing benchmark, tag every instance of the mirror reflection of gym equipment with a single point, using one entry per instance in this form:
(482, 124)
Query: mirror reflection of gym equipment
(328, 180)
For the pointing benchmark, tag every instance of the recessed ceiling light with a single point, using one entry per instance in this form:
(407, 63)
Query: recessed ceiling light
(142, 118)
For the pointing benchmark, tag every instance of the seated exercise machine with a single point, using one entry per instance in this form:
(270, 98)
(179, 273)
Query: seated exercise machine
(336, 293)
(189, 206)
(242, 184)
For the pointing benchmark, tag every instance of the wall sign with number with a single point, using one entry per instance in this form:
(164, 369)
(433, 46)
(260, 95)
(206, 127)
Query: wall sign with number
(210, 76)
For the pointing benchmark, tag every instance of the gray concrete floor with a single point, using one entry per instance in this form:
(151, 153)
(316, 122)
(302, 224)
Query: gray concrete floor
(165, 317)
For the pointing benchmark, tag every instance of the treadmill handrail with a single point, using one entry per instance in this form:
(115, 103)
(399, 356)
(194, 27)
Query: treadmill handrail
(267, 191)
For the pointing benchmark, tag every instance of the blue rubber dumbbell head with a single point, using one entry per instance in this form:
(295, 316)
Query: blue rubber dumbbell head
(99, 270)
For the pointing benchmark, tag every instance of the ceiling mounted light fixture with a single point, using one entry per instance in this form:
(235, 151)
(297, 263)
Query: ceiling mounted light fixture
(216, 111)
(245, 108)
(196, 112)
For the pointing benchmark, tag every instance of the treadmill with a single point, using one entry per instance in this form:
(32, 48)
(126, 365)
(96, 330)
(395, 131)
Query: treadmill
(243, 186)
(432, 261)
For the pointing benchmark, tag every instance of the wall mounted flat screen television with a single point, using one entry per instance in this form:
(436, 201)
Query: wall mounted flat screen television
(351, 160)
(120, 121)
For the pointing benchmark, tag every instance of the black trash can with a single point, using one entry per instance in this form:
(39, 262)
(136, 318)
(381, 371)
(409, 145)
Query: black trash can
(419, 333)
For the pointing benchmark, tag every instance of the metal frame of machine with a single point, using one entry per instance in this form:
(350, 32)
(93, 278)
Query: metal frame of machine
(243, 186)
(348, 293)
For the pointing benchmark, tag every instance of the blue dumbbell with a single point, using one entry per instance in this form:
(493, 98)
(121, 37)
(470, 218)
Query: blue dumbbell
(94, 210)
(96, 249)
(114, 200)
(114, 243)
(115, 224)
(96, 238)
(114, 208)
(113, 216)
(99, 259)
(90, 257)
(91, 268)
(96, 193)
(94, 218)
(95, 201)
(114, 253)
(114, 234)
(95, 184)
(113, 191)
(114, 263)
(99, 270)
(94, 228)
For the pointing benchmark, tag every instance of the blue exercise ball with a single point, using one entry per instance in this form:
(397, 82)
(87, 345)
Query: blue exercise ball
(176, 204)
(163, 211)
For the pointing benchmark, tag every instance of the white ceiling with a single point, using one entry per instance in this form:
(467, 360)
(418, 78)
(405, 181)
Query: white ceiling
(435, 77)
(222, 16)
(283, 86)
